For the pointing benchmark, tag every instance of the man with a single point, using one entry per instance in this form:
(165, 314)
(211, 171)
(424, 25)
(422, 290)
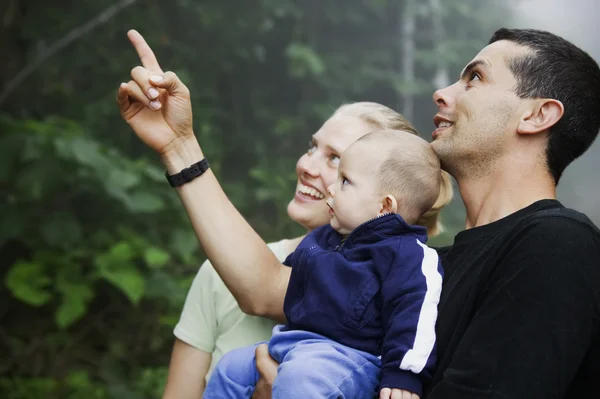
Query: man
(519, 315)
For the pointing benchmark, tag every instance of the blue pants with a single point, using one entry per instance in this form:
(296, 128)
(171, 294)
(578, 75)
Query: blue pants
(311, 366)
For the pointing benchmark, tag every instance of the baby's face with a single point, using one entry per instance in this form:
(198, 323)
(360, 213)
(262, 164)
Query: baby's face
(354, 197)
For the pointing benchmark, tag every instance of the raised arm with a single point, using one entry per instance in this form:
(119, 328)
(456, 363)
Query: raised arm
(157, 106)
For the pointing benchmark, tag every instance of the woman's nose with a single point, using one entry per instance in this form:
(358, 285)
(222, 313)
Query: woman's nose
(308, 165)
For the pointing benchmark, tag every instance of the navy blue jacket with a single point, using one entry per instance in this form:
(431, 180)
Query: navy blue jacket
(377, 292)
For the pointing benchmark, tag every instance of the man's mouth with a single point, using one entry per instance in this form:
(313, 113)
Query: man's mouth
(440, 124)
(310, 191)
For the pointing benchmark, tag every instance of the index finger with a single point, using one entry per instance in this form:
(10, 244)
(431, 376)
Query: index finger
(144, 51)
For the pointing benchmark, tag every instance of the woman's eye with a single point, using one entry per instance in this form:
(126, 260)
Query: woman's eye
(335, 160)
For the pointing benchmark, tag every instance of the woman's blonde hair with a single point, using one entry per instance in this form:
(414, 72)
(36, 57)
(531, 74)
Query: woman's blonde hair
(384, 118)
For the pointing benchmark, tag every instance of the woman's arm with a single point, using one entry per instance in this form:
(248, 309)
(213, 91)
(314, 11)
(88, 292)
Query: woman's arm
(187, 372)
(157, 106)
(249, 269)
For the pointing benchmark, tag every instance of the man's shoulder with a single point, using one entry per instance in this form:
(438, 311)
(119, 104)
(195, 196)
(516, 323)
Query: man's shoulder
(555, 223)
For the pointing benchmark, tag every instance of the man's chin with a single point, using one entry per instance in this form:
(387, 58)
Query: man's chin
(442, 149)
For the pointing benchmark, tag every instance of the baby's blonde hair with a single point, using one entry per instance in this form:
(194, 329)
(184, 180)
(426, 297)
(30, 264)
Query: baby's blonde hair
(384, 118)
(409, 170)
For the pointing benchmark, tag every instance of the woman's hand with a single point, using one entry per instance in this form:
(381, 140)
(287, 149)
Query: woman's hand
(267, 369)
(156, 105)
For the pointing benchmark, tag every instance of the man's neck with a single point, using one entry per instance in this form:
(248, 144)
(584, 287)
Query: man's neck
(511, 186)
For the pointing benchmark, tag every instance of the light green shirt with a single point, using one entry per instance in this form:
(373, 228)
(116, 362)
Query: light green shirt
(212, 321)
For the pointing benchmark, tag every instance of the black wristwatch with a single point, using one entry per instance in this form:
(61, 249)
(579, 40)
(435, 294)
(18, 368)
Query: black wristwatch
(187, 174)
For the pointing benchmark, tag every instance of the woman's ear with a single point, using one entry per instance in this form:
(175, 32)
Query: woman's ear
(389, 205)
(545, 114)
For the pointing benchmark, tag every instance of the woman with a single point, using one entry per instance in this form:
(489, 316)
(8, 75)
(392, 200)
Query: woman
(211, 322)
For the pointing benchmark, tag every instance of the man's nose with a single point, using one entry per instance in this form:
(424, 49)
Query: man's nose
(444, 97)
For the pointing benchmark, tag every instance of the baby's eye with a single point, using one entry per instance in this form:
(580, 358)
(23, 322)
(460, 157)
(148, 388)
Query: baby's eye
(311, 147)
(345, 181)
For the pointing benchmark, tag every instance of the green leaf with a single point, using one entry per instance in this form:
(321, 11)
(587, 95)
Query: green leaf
(156, 257)
(145, 202)
(155, 173)
(75, 298)
(162, 285)
(11, 148)
(128, 279)
(61, 229)
(87, 152)
(185, 244)
(13, 222)
(304, 60)
(28, 283)
(123, 178)
(78, 379)
(121, 252)
(30, 181)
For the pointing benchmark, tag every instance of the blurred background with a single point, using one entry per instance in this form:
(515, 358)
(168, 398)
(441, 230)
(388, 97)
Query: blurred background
(96, 253)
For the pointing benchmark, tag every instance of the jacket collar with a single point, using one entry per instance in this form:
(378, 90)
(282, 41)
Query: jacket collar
(376, 229)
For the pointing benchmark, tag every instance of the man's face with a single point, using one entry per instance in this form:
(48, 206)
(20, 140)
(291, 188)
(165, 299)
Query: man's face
(479, 114)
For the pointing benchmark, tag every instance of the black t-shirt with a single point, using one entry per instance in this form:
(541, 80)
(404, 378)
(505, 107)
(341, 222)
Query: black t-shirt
(519, 315)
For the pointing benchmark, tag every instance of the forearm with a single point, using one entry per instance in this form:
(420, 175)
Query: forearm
(250, 270)
(187, 372)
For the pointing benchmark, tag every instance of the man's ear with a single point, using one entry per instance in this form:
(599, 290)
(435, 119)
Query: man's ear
(545, 114)
(389, 205)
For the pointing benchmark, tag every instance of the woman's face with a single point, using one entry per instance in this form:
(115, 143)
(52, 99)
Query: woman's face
(317, 169)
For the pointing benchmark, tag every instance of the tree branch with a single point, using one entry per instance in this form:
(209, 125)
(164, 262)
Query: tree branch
(73, 35)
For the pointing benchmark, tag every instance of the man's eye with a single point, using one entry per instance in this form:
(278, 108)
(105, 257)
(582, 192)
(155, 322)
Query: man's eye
(335, 160)
(474, 76)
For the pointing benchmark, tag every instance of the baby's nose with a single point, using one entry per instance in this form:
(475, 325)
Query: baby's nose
(330, 190)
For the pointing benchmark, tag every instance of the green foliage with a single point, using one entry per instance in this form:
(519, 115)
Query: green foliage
(97, 253)
(28, 283)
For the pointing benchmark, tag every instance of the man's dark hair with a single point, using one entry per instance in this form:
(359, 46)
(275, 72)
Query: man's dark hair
(559, 70)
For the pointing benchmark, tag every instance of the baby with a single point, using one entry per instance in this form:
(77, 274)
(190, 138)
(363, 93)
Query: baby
(361, 304)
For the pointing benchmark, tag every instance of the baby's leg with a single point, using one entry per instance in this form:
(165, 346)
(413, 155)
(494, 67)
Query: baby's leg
(234, 376)
(326, 369)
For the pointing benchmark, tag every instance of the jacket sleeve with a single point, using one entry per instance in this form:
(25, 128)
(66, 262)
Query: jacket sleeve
(410, 296)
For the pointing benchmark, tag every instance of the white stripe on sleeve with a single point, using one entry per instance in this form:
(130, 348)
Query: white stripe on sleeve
(416, 358)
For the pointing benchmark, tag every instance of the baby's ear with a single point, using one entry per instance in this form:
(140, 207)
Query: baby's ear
(389, 205)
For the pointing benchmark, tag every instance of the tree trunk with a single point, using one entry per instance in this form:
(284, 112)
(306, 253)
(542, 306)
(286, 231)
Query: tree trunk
(442, 76)
(406, 31)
